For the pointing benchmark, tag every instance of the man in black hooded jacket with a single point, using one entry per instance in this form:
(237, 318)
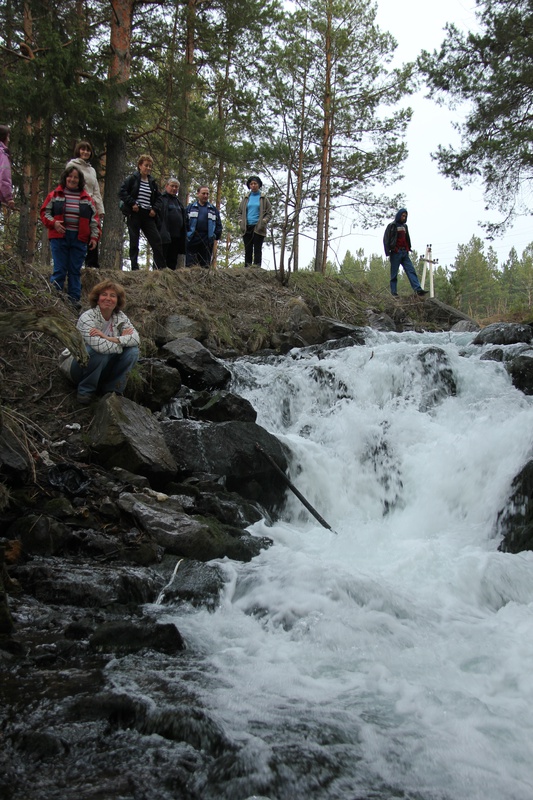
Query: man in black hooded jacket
(397, 244)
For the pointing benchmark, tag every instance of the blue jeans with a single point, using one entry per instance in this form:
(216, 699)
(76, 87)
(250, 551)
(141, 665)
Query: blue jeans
(68, 254)
(105, 372)
(402, 258)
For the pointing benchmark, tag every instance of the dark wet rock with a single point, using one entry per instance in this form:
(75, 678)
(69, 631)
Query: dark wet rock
(443, 317)
(126, 435)
(228, 449)
(515, 520)
(42, 745)
(178, 326)
(217, 406)
(494, 354)
(130, 637)
(177, 722)
(131, 546)
(69, 583)
(40, 534)
(78, 629)
(14, 455)
(380, 322)
(322, 350)
(193, 582)
(130, 479)
(6, 620)
(197, 366)
(317, 332)
(504, 333)
(183, 535)
(159, 383)
(209, 500)
(439, 379)
(520, 369)
(465, 326)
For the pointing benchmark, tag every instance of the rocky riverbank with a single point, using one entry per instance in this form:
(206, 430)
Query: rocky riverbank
(115, 512)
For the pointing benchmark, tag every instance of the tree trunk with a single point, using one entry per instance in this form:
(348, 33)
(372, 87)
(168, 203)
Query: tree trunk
(115, 159)
(324, 166)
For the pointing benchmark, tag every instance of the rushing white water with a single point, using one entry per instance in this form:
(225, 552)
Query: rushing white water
(393, 658)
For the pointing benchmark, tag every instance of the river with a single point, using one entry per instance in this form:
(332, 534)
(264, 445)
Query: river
(390, 657)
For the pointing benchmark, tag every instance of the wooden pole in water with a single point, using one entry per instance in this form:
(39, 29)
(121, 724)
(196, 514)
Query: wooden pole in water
(293, 489)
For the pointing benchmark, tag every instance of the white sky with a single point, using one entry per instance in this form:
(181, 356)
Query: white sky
(438, 215)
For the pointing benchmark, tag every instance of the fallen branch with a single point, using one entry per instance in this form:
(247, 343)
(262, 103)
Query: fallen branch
(293, 489)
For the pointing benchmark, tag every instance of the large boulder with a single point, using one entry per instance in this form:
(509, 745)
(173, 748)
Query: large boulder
(124, 434)
(182, 535)
(439, 380)
(178, 326)
(229, 450)
(14, 454)
(160, 383)
(504, 333)
(515, 520)
(198, 368)
(217, 406)
(520, 368)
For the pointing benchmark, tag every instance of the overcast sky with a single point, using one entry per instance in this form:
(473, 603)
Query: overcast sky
(438, 215)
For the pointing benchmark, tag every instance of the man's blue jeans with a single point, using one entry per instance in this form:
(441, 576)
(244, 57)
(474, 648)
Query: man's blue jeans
(68, 254)
(402, 258)
(105, 372)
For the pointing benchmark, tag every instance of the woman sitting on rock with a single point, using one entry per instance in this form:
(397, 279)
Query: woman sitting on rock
(112, 344)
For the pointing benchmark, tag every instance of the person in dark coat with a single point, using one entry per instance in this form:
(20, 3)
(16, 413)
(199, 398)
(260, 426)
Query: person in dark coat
(141, 203)
(397, 244)
(173, 228)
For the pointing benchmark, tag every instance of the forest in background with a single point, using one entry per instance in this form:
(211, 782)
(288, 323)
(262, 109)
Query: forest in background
(300, 92)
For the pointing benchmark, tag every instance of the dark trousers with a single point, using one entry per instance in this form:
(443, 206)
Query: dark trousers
(171, 251)
(253, 244)
(199, 252)
(91, 259)
(142, 221)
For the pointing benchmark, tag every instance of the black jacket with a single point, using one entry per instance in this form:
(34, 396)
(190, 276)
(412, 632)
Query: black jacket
(391, 233)
(130, 189)
(166, 233)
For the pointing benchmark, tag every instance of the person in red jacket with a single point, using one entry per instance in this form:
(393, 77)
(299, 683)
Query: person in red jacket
(73, 225)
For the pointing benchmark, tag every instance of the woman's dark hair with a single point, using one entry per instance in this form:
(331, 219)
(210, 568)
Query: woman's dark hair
(66, 173)
(84, 144)
(97, 290)
(4, 133)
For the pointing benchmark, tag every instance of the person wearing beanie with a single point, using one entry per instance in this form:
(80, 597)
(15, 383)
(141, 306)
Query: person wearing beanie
(255, 212)
(397, 244)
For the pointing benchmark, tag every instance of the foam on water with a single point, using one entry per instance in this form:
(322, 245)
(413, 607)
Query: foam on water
(400, 650)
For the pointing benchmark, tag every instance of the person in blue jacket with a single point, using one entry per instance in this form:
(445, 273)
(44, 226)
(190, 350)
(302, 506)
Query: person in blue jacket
(203, 229)
(397, 244)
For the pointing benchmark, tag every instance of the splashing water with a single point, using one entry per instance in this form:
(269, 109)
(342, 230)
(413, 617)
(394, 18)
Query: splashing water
(396, 658)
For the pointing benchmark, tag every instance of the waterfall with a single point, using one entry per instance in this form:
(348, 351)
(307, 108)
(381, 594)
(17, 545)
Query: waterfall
(394, 659)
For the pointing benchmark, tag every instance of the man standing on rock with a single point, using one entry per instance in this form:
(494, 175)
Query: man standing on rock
(203, 228)
(397, 244)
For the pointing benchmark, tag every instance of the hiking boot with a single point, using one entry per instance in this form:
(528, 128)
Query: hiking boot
(421, 292)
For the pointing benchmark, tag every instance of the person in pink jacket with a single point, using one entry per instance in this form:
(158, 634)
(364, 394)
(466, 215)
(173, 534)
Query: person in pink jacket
(6, 184)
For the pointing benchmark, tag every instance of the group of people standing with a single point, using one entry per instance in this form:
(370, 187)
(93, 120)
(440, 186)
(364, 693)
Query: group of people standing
(74, 210)
(172, 230)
